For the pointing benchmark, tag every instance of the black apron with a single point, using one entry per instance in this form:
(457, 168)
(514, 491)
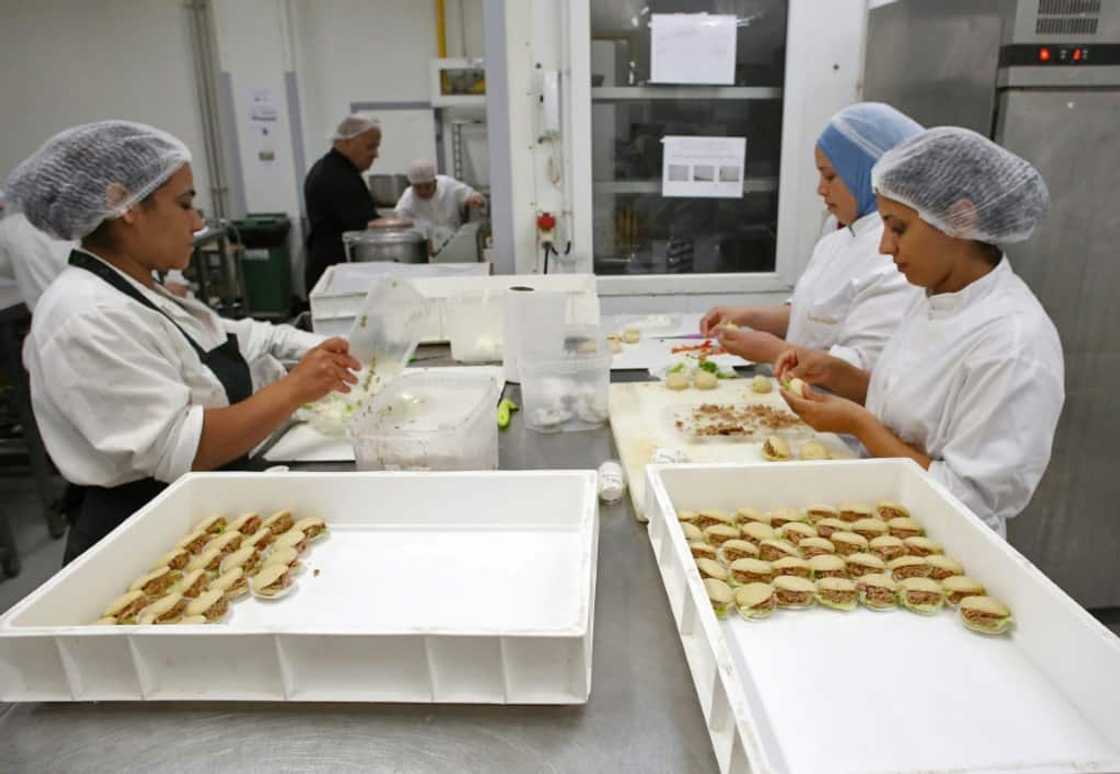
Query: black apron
(104, 508)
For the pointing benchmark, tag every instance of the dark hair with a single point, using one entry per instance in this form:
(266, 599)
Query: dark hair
(992, 253)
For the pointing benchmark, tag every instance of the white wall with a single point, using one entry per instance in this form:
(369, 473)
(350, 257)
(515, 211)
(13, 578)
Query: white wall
(68, 62)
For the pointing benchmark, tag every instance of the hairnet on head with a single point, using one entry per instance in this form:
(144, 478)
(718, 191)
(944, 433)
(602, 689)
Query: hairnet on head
(856, 137)
(965, 185)
(421, 171)
(353, 125)
(91, 173)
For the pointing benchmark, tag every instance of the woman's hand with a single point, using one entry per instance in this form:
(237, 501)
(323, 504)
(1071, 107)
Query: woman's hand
(829, 413)
(809, 365)
(326, 368)
(755, 346)
(719, 315)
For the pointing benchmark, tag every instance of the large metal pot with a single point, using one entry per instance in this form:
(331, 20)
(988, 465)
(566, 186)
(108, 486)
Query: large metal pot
(399, 245)
(387, 189)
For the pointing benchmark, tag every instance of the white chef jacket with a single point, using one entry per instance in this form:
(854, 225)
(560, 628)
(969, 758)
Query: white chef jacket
(29, 257)
(850, 298)
(443, 212)
(975, 379)
(118, 392)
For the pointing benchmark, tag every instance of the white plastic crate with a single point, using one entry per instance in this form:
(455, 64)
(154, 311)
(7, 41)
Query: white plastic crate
(436, 587)
(818, 690)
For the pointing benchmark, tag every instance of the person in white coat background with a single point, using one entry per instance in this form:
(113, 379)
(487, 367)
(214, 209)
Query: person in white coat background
(131, 385)
(849, 299)
(971, 385)
(435, 203)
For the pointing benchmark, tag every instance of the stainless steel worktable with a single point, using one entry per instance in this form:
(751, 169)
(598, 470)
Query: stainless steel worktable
(642, 716)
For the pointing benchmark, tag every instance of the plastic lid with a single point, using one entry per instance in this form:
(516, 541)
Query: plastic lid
(425, 403)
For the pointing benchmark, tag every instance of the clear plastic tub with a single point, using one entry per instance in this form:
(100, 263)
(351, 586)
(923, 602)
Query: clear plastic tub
(434, 420)
(569, 391)
(475, 319)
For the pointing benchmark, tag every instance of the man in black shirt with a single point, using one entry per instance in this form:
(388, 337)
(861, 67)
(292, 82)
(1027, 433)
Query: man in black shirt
(336, 195)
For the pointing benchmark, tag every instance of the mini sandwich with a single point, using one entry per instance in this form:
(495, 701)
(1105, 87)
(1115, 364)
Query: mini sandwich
(888, 547)
(261, 539)
(848, 543)
(815, 546)
(192, 620)
(246, 524)
(828, 566)
(106, 621)
(247, 558)
(865, 564)
(783, 516)
(985, 615)
(737, 549)
(295, 538)
(194, 542)
(796, 386)
(165, 610)
(903, 527)
(813, 450)
(837, 593)
(691, 532)
(793, 592)
(792, 565)
(755, 601)
(796, 531)
(157, 582)
(279, 522)
(717, 534)
(889, 509)
(756, 532)
(212, 606)
(922, 546)
(286, 556)
(233, 583)
(747, 515)
(209, 560)
(776, 548)
(687, 517)
(829, 525)
(817, 512)
(212, 524)
(908, 567)
(312, 526)
(853, 512)
(709, 518)
(752, 571)
(877, 592)
(701, 550)
(720, 595)
(273, 581)
(921, 595)
(957, 587)
(942, 567)
(126, 607)
(193, 583)
(176, 559)
(775, 449)
(710, 568)
(227, 542)
(869, 528)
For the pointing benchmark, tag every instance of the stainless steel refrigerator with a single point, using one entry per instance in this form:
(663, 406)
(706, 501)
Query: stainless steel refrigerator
(1042, 78)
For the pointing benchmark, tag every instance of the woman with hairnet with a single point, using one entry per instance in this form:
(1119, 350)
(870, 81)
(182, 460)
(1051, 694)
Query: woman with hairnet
(971, 384)
(435, 203)
(132, 386)
(849, 299)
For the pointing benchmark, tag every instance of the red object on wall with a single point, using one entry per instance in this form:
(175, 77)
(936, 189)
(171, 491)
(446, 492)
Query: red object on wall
(546, 221)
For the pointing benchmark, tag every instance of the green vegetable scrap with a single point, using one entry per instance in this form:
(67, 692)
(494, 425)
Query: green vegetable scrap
(505, 412)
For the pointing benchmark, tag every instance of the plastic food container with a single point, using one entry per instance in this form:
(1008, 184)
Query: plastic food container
(429, 421)
(474, 321)
(569, 390)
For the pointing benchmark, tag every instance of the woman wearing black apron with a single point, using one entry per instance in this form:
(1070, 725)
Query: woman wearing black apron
(131, 386)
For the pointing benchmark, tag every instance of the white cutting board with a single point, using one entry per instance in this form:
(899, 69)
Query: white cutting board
(303, 443)
(642, 422)
(654, 353)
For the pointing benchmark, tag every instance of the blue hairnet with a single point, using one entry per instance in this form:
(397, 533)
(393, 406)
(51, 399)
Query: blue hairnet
(854, 140)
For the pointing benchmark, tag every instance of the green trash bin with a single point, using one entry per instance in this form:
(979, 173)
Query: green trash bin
(266, 262)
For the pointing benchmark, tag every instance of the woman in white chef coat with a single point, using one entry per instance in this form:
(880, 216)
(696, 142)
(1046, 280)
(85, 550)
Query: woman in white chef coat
(131, 385)
(971, 384)
(850, 298)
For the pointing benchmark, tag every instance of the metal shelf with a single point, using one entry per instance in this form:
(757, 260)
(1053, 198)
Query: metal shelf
(615, 93)
(751, 185)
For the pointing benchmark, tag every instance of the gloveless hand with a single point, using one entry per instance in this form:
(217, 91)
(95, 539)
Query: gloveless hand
(326, 368)
(827, 413)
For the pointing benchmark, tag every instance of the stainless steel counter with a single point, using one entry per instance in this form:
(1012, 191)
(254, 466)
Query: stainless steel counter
(643, 715)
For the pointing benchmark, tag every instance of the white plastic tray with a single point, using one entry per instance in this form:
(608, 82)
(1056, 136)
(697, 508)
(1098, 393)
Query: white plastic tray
(817, 690)
(436, 587)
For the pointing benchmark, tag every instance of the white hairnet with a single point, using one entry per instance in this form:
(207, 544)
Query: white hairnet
(353, 125)
(91, 173)
(421, 171)
(965, 185)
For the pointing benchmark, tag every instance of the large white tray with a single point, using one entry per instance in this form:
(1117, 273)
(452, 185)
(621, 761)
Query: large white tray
(817, 690)
(436, 587)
